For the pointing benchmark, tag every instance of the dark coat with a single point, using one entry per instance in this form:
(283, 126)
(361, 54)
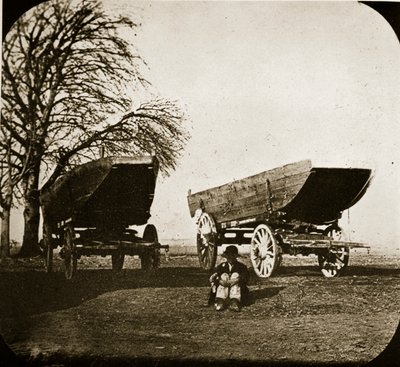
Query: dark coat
(237, 267)
(243, 272)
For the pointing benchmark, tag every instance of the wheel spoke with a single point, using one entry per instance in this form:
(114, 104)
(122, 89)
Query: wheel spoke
(206, 241)
(263, 253)
(260, 237)
(340, 259)
(262, 268)
(254, 252)
(333, 262)
(204, 253)
(269, 267)
(270, 253)
(205, 258)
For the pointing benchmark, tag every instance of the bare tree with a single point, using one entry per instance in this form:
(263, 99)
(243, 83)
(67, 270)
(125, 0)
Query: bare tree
(66, 71)
(11, 170)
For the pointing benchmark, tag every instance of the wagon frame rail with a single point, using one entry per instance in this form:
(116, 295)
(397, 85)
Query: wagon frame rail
(293, 209)
(90, 211)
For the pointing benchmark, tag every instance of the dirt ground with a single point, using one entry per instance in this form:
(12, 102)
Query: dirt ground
(101, 318)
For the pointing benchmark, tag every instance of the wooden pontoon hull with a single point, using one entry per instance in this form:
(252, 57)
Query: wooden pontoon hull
(109, 192)
(297, 192)
(326, 193)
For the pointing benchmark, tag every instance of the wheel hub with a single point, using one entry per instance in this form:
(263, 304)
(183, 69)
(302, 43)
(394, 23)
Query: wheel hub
(263, 252)
(206, 237)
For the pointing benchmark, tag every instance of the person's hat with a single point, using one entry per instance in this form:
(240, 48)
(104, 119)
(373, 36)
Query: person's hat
(231, 251)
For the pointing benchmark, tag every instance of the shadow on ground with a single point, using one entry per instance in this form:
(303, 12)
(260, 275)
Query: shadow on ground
(353, 270)
(31, 292)
(258, 294)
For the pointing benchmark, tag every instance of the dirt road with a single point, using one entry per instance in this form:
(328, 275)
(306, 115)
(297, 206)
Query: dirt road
(102, 318)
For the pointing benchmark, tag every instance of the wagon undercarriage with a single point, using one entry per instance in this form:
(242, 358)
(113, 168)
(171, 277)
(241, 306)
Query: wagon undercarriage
(293, 209)
(91, 210)
(76, 243)
(269, 244)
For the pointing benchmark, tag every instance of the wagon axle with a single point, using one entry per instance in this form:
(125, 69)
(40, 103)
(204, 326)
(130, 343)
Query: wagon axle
(291, 210)
(75, 245)
(89, 211)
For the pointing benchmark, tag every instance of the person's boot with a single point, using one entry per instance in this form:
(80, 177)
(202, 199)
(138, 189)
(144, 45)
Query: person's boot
(234, 305)
(211, 298)
(219, 304)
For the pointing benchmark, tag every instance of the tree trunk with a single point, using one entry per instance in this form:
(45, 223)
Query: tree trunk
(30, 243)
(5, 234)
(5, 224)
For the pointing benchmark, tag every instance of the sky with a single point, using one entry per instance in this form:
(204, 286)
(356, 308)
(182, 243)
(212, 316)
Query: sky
(270, 83)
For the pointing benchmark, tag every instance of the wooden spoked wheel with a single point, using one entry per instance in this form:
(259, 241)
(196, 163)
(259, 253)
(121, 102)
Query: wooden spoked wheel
(117, 261)
(335, 259)
(150, 259)
(264, 251)
(49, 256)
(70, 256)
(207, 248)
(46, 244)
(334, 232)
(47, 250)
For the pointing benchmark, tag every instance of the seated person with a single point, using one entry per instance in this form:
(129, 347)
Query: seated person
(229, 282)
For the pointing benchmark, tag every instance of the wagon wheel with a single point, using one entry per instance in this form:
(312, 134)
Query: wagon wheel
(279, 252)
(47, 250)
(150, 259)
(334, 260)
(117, 261)
(70, 257)
(49, 256)
(264, 251)
(207, 248)
(46, 245)
(333, 231)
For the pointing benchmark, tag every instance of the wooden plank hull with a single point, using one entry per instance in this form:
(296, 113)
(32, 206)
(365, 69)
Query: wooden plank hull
(297, 191)
(110, 192)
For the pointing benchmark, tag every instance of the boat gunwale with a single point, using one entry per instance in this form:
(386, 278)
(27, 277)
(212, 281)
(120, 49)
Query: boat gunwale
(192, 198)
